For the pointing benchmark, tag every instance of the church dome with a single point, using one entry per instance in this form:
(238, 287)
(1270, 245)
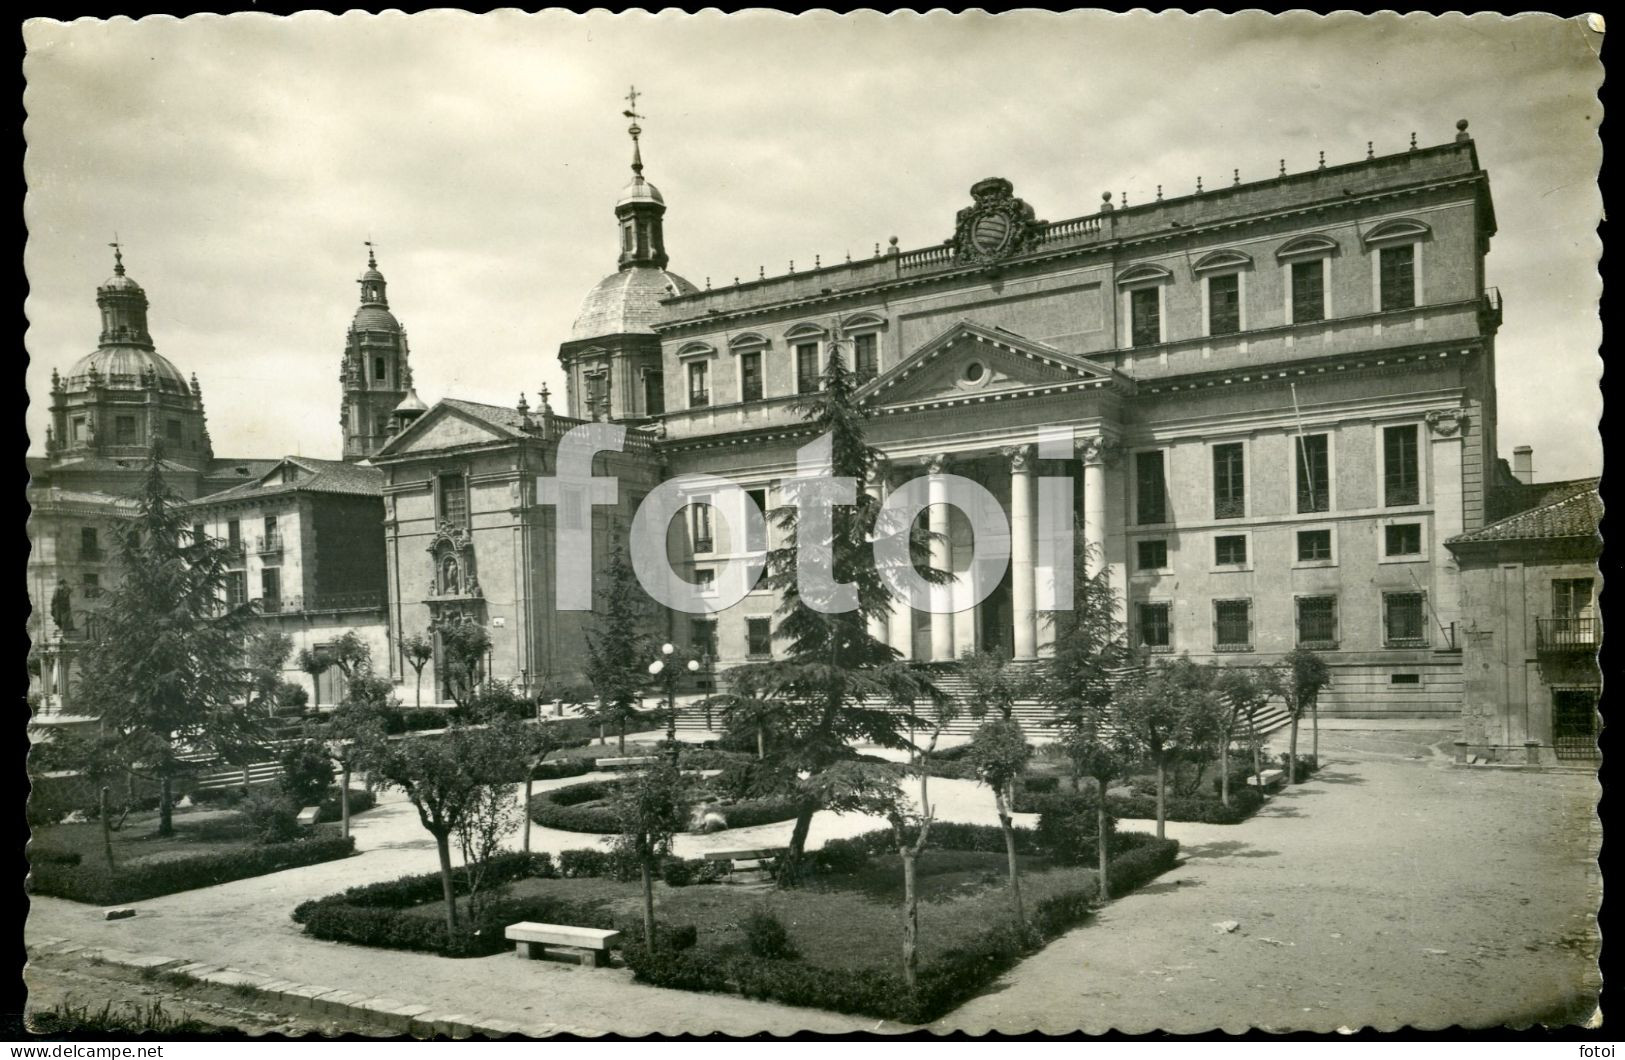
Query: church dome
(639, 190)
(121, 368)
(627, 302)
(374, 318)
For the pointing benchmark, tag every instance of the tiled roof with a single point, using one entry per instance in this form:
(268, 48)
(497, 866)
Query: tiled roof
(321, 476)
(1575, 513)
(505, 419)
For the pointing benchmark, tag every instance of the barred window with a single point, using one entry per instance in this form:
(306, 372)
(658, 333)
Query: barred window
(759, 637)
(1314, 473)
(1156, 627)
(1404, 621)
(1224, 304)
(1396, 275)
(1308, 291)
(453, 500)
(1232, 625)
(1150, 488)
(1230, 550)
(1317, 621)
(1400, 471)
(1314, 545)
(1145, 316)
(1153, 555)
(1229, 482)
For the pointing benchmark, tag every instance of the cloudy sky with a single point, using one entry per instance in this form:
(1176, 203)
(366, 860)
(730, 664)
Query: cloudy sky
(243, 160)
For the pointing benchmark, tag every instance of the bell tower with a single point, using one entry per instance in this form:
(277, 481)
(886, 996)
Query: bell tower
(376, 373)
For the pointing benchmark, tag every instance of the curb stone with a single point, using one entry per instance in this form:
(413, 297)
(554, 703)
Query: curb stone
(497, 1029)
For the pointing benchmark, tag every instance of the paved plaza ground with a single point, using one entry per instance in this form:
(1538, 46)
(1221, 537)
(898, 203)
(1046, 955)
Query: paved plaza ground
(1390, 890)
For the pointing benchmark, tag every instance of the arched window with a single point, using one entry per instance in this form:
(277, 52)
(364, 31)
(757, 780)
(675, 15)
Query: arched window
(1144, 312)
(1395, 247)
(1306, 261)
(1224, 291)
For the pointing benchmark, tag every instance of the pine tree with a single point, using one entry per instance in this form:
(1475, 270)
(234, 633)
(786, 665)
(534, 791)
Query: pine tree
(166, 675)
(617, 647)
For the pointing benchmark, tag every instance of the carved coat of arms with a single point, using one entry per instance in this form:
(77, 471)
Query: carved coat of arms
(996, 226)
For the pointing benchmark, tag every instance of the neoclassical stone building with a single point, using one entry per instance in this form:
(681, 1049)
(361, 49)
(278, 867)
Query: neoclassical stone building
(1275, 401)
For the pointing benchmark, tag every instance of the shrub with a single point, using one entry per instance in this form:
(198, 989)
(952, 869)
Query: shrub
(865, 991)
(406, 891)
(1244, 802)
(274, 817)
(667, 936)
(329, 809)
(1306, 766)
(91, 882)
(1070, 838)
(561, 808)
(228, 797)
(564, 767)
(291, 697)
(692, 757)
(696, 968)
(40, 855)
(1143, 862)
(307, 771)
(766, 938)
(676, 872)
(1041, 785)
(953, 977)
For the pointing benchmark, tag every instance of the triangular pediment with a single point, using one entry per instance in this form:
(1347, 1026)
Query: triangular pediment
(443, 427)
(971, 360)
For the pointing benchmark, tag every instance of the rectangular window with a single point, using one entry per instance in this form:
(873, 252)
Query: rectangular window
(1402, 539)
(1145, 316)
(654, 393)
(379, 374)
(197, 533)
(1229, 483)
(759, 637)
(1396, 275)
(750, 376)
(78, 428)
(234, 534)
(756, 534)
(124, 428)
(172, 430)
(699, 385)
(271, 588)
(1401, 479)
(1571, 597)
(1404, 622)
(1156, 625)
(705, 580)
(270, 529)
(1308, 291)
(90, 546)
(1150, 488)
(1224, 304)
(454, 499)
(1317, 621)
(1314, 472)
(806, 367)
(866, 356)
(1404, 679)
(1232, 625)
(703, 637)
(1153, 555)
(1230, 550)
(701, 516)
(598, 395)
(236, 588)
(1314, 545)
(91, 584)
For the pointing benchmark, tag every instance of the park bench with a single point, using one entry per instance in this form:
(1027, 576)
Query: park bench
(743, 860)
(1269, 778)
(308, 815)
(628, 762)
(588, 947)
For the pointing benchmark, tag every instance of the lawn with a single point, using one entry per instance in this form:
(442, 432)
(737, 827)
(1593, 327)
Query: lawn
(197, 831)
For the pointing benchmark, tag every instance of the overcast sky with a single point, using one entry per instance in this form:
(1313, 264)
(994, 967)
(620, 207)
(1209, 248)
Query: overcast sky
(243, 160)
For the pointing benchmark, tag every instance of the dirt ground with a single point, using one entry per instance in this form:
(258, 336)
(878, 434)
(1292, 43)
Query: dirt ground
(1391, 890)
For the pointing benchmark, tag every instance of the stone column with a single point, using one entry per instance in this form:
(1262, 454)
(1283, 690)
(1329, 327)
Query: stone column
(900, 624)
(1446, 427)
(1023, 597)
(1092, 452)
(942, 621)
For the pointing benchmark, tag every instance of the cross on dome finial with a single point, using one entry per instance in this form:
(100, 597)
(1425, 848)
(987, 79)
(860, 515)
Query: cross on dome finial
(633, 129)
(118, 256)
(372, 262)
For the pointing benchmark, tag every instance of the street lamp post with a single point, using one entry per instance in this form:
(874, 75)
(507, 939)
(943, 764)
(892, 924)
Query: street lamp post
(666, 671)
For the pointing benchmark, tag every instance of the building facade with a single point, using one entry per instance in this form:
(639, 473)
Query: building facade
(1274, 401)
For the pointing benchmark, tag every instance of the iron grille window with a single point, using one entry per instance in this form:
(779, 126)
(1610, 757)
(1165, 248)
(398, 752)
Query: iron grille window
(1232, 625)
(1574, 722)
(1401, 482)
(1402, 539)
(1230, 550)
(454, 500)
(1145, 317)
(1229, 482)
(654, 393)
(1314, 545)
(1153, 555)
(1308, 292)
(865, 356)
(1156, 625)
(750, 376)
(1396, 268)
(806, 367)
(1317, 621)
(1224, 304)
(1314, 473)
(759, 637)
(756, 532)
(1150, 488)
(1404, 622)
(699, 385)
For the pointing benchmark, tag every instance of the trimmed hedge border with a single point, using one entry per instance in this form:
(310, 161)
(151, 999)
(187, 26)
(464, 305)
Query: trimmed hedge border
(1244, 802)
(560, 809)
(90, 881)
(943, 983)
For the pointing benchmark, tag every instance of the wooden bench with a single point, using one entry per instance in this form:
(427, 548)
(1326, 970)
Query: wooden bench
(308, 815)
(585, 946)
(627, 763)
(741, 860)
(1269, 778)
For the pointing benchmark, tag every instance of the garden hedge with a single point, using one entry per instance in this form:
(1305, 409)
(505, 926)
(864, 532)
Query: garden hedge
(1244, 802)
(90, 881)
(561, 809)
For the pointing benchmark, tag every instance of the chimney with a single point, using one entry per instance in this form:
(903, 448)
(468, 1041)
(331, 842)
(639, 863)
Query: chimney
(1523, 464)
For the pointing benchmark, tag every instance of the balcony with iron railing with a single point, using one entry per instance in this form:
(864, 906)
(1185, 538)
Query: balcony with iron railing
(268, 544)
(365, 600)
(1580, 633)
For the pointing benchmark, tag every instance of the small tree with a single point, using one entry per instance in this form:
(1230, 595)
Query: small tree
(1302, 676)
(268, 651)
(491, 815)
(1244, 690)
(307, 772)
(999, 753)
(650, 809)
(315, 662)
(354, 728)
(417, 649)
(464, 644)
(1098, 754)
(1156, 707)
(617, 648)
